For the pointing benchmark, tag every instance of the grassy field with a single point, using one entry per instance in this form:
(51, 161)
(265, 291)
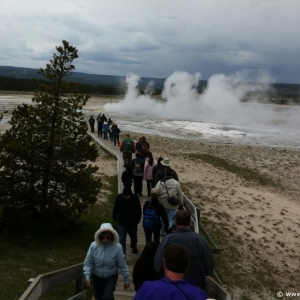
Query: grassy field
(26, 255)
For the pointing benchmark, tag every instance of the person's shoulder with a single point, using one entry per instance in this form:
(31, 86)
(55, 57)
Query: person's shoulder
(118, 247)
(93, 245)
(135, 197)
(119, 196)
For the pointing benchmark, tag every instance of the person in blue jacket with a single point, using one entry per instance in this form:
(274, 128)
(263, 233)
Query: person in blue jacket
(104, 257)
(176, 259)
(105, 130)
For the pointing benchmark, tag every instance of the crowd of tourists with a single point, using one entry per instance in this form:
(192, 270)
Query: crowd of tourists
(172, 265)
(106, 128)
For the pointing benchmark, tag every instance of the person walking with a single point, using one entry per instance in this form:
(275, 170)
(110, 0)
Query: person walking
(105, 129)
(146, 142)
(116, 133)
(103, 118)
(99, 120)
(160, 216)
(169, 187)
(155, 169)
(143, 269)
(127, 147)
(148, 167)
(111, 125)
(161, 172)
(127, 212)
(104, 258)
(92, 123)
(139, 145)
(137, 166)
(145, 151)
(201, 260)
(176, 261)
(127, 176)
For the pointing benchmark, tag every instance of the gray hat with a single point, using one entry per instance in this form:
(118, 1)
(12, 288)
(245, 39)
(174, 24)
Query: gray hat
(165, 162)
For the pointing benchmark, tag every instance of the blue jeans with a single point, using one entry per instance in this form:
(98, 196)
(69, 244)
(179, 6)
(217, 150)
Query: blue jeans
(104, 288)
(132, 231)
(170, 214)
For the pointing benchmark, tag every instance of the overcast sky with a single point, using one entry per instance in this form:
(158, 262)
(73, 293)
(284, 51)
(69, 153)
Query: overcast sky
(155, 38)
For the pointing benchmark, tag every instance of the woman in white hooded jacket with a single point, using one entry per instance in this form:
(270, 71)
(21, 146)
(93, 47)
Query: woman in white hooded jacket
(105, 256)
(174, 190)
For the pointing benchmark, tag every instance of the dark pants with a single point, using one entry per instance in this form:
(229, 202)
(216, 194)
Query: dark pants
(99, 130)
(104, 288)
(105, 135)
(127, 157)
(138, 184)
(116, 140)
(111, 136)
(149, 186)
(132, 231)
(92, 127)
(148, 234)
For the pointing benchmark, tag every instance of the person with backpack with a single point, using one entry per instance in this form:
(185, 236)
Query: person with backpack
(154, 214)
(167, 188)
(137, 166)
(160, 174)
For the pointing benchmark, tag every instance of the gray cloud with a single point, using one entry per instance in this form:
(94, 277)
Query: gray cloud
(156, 38)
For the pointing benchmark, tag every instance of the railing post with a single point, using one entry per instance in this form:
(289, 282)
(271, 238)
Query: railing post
(78, 285)
(198, 214)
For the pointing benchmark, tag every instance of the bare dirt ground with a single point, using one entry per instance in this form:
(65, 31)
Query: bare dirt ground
(257, 226)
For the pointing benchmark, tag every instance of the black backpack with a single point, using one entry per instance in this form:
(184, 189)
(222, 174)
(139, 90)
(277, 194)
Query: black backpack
(137, 167)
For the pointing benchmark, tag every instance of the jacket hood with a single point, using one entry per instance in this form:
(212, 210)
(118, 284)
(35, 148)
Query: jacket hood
(106, 227)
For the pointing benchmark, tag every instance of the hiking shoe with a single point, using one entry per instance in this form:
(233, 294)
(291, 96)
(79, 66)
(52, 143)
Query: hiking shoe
(135, 251)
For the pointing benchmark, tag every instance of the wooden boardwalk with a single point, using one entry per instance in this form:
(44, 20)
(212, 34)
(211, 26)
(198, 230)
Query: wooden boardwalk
(131, 258)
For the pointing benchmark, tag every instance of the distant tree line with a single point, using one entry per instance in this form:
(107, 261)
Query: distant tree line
(32, 84)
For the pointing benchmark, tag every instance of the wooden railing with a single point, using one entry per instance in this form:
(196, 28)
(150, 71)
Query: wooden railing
(7, 108)
(51, 280)
(54, 279)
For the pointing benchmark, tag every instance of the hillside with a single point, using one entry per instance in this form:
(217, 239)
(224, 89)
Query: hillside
(282, 89)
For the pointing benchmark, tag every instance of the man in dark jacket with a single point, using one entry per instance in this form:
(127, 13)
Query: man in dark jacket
(92, 123)
(99, 120)
(127, 212)
(201, 260)
(156, 168)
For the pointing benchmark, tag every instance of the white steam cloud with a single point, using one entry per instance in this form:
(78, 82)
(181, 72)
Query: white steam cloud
(220, 102)
(218, 111)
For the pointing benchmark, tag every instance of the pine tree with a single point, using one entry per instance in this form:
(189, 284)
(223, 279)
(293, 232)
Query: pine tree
(44, 172)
